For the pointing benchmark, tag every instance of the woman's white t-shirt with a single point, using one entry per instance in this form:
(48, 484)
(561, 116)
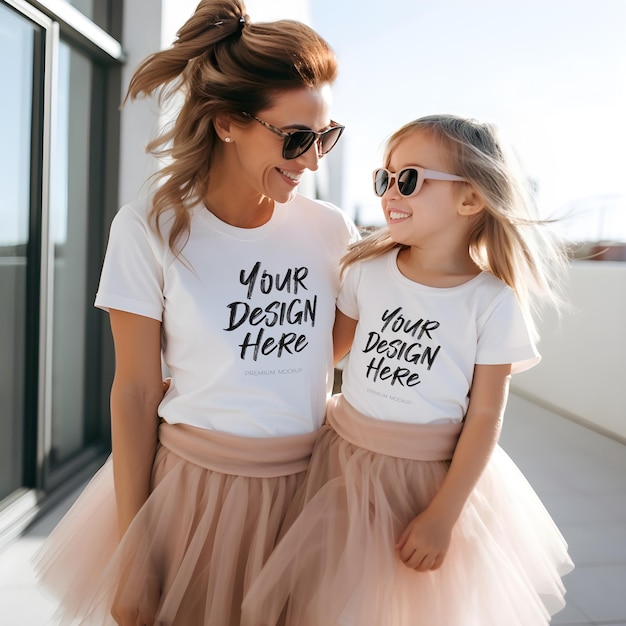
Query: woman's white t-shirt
(246, 314)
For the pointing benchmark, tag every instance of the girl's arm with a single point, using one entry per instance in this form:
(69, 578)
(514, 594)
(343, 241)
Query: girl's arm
(135, 395)
(424, 543)
(343, 335)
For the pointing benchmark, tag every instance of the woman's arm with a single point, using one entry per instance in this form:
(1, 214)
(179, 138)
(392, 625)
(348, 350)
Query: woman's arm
(135, 395)
(343, 335)
(424, 543)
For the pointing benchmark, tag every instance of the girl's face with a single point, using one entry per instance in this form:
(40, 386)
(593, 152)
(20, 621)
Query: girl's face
(431, 217)
(259, 159)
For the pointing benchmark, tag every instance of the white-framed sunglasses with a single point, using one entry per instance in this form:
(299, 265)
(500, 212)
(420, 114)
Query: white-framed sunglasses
(409, 179)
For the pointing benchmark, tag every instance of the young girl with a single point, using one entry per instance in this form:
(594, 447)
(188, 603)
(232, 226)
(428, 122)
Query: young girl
(233, 276)
(411, 514)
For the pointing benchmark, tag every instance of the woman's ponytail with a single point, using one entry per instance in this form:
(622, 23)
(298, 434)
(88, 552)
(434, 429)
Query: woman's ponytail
(211, 23)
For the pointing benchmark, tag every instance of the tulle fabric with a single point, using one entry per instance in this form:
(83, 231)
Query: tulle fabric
(337, 565)
(216, 508)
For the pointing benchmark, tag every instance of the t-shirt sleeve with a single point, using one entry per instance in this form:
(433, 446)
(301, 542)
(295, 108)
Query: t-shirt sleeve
(505, 335)
(355, 234)
(350, 228)
(347, 301)
(132, 273)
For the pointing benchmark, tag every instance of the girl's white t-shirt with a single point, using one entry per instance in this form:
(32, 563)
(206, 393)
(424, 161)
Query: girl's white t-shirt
(246, 314)
(415, 346)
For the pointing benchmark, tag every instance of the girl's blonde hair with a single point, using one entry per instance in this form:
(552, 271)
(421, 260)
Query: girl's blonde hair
(222, 64)
(507, 239)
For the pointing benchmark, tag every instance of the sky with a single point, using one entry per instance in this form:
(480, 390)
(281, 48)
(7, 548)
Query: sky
(551, 74)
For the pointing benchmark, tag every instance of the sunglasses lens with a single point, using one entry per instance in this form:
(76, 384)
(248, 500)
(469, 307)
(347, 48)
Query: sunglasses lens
(407, 181)
(381, 182)
(329, 139)
(297, 143)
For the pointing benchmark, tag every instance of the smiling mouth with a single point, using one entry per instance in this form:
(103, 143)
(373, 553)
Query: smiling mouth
(398, 215)
(290, 175)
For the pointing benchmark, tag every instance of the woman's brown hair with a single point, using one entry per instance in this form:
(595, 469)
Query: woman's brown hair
(221, 64)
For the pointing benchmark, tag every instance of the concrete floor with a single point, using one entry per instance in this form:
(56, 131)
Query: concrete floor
(579, 474)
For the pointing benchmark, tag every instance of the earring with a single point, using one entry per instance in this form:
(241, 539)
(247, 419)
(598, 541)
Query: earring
(227, 139)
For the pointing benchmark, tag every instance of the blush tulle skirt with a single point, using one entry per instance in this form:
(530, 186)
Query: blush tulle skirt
(215, 511)
(337, 565)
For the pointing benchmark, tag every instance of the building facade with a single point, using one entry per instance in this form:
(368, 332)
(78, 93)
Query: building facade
(60, 72)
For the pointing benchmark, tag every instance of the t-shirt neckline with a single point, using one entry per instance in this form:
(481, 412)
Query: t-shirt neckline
(392, 263)
(243, 234)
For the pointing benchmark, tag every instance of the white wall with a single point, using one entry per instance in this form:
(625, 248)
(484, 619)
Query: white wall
(140, 119)
(583, 371)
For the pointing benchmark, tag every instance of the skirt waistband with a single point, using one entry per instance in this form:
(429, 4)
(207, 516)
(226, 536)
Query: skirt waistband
(256, 457)
(419, 442)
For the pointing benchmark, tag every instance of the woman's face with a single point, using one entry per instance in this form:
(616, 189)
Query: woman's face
(259, 150)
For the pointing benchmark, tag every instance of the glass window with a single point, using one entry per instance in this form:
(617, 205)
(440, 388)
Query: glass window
(17, 45)
(69, 212)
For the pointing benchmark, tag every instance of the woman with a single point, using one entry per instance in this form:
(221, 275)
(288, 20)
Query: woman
(232, 277)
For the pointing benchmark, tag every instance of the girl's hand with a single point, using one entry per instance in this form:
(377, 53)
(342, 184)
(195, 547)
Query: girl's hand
(424, 543)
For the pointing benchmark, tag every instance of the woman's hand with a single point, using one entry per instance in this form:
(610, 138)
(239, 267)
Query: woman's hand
(425, 541)
(144, 614)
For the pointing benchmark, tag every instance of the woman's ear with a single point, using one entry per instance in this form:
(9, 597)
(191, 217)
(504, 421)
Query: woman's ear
(223, 125)
(471, 202)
